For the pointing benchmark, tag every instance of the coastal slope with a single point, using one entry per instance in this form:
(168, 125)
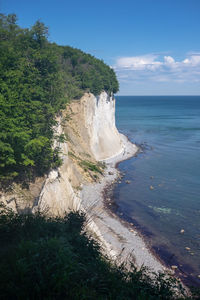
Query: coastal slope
(91, 137)
(90, 150)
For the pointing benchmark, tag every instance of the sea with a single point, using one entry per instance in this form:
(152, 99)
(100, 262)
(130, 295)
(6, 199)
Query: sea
(160, 190)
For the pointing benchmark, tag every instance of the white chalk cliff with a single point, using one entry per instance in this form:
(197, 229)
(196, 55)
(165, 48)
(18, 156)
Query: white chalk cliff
(99, 123)
(92, 133)
(91, 136)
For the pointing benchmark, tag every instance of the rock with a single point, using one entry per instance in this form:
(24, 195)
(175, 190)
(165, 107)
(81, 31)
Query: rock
(131, 230)
(182, 231)
(119, 182)
(187, 248)
(151, 187)
(174, 267)
(53, 175)
(128, 181)
(198, 276)
(110, 173)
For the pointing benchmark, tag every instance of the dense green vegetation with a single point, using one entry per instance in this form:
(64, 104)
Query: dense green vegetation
(53, 258)
(37, 78)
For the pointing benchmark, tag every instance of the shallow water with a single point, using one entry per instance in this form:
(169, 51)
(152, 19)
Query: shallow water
(164, 194)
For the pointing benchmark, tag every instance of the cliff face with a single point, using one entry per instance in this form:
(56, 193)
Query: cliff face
(89, 127)
(98, 115)
(58, 195)
(91, 136)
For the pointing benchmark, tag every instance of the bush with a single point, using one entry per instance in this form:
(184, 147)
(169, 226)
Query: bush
(54, 258)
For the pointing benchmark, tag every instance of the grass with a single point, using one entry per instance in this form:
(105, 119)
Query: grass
(87, 165)
(93, 169)
(54, 258)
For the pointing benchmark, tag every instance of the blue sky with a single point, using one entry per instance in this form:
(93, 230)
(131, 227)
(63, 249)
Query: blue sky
(153, 45)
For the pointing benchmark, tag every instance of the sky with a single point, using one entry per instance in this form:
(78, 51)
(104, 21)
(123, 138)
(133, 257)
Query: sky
(153, 45)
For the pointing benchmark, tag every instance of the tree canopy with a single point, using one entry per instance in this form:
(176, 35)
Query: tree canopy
(37, 78)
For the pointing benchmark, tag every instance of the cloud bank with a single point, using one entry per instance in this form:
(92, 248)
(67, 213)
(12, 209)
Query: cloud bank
(157, 68)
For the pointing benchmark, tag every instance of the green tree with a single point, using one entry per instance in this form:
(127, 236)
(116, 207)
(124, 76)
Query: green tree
(39, 33)
(37, 78)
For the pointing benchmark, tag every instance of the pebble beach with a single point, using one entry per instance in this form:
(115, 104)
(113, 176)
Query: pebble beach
(120, 241)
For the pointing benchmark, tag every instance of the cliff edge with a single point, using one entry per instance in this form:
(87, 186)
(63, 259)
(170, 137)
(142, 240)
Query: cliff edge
(97, 125)
(91, 136)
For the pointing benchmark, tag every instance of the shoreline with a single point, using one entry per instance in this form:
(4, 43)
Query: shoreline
(120, 239)
(157, 253)
(182, 271)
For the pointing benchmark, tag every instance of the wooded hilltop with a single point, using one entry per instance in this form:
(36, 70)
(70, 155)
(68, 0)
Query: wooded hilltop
(37, 79)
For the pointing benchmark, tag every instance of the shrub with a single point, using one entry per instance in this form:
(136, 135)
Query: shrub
(54, 258)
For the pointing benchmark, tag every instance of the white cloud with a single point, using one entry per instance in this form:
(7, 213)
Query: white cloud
(157, 68)
(138, 62)
(193, 60)
(169, 60)
(170, 64)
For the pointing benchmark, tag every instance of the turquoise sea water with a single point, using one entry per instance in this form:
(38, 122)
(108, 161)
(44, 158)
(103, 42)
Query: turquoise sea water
(163, 198)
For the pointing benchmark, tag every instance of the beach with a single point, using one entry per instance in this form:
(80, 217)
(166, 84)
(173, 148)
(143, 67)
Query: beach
(120, 240)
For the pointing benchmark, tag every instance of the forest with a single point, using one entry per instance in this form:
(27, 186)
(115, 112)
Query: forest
(37, 79)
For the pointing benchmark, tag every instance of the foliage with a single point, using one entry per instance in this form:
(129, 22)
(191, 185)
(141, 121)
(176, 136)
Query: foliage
(90, 73)
(37, 78)
(53, 258)
(87, 165)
